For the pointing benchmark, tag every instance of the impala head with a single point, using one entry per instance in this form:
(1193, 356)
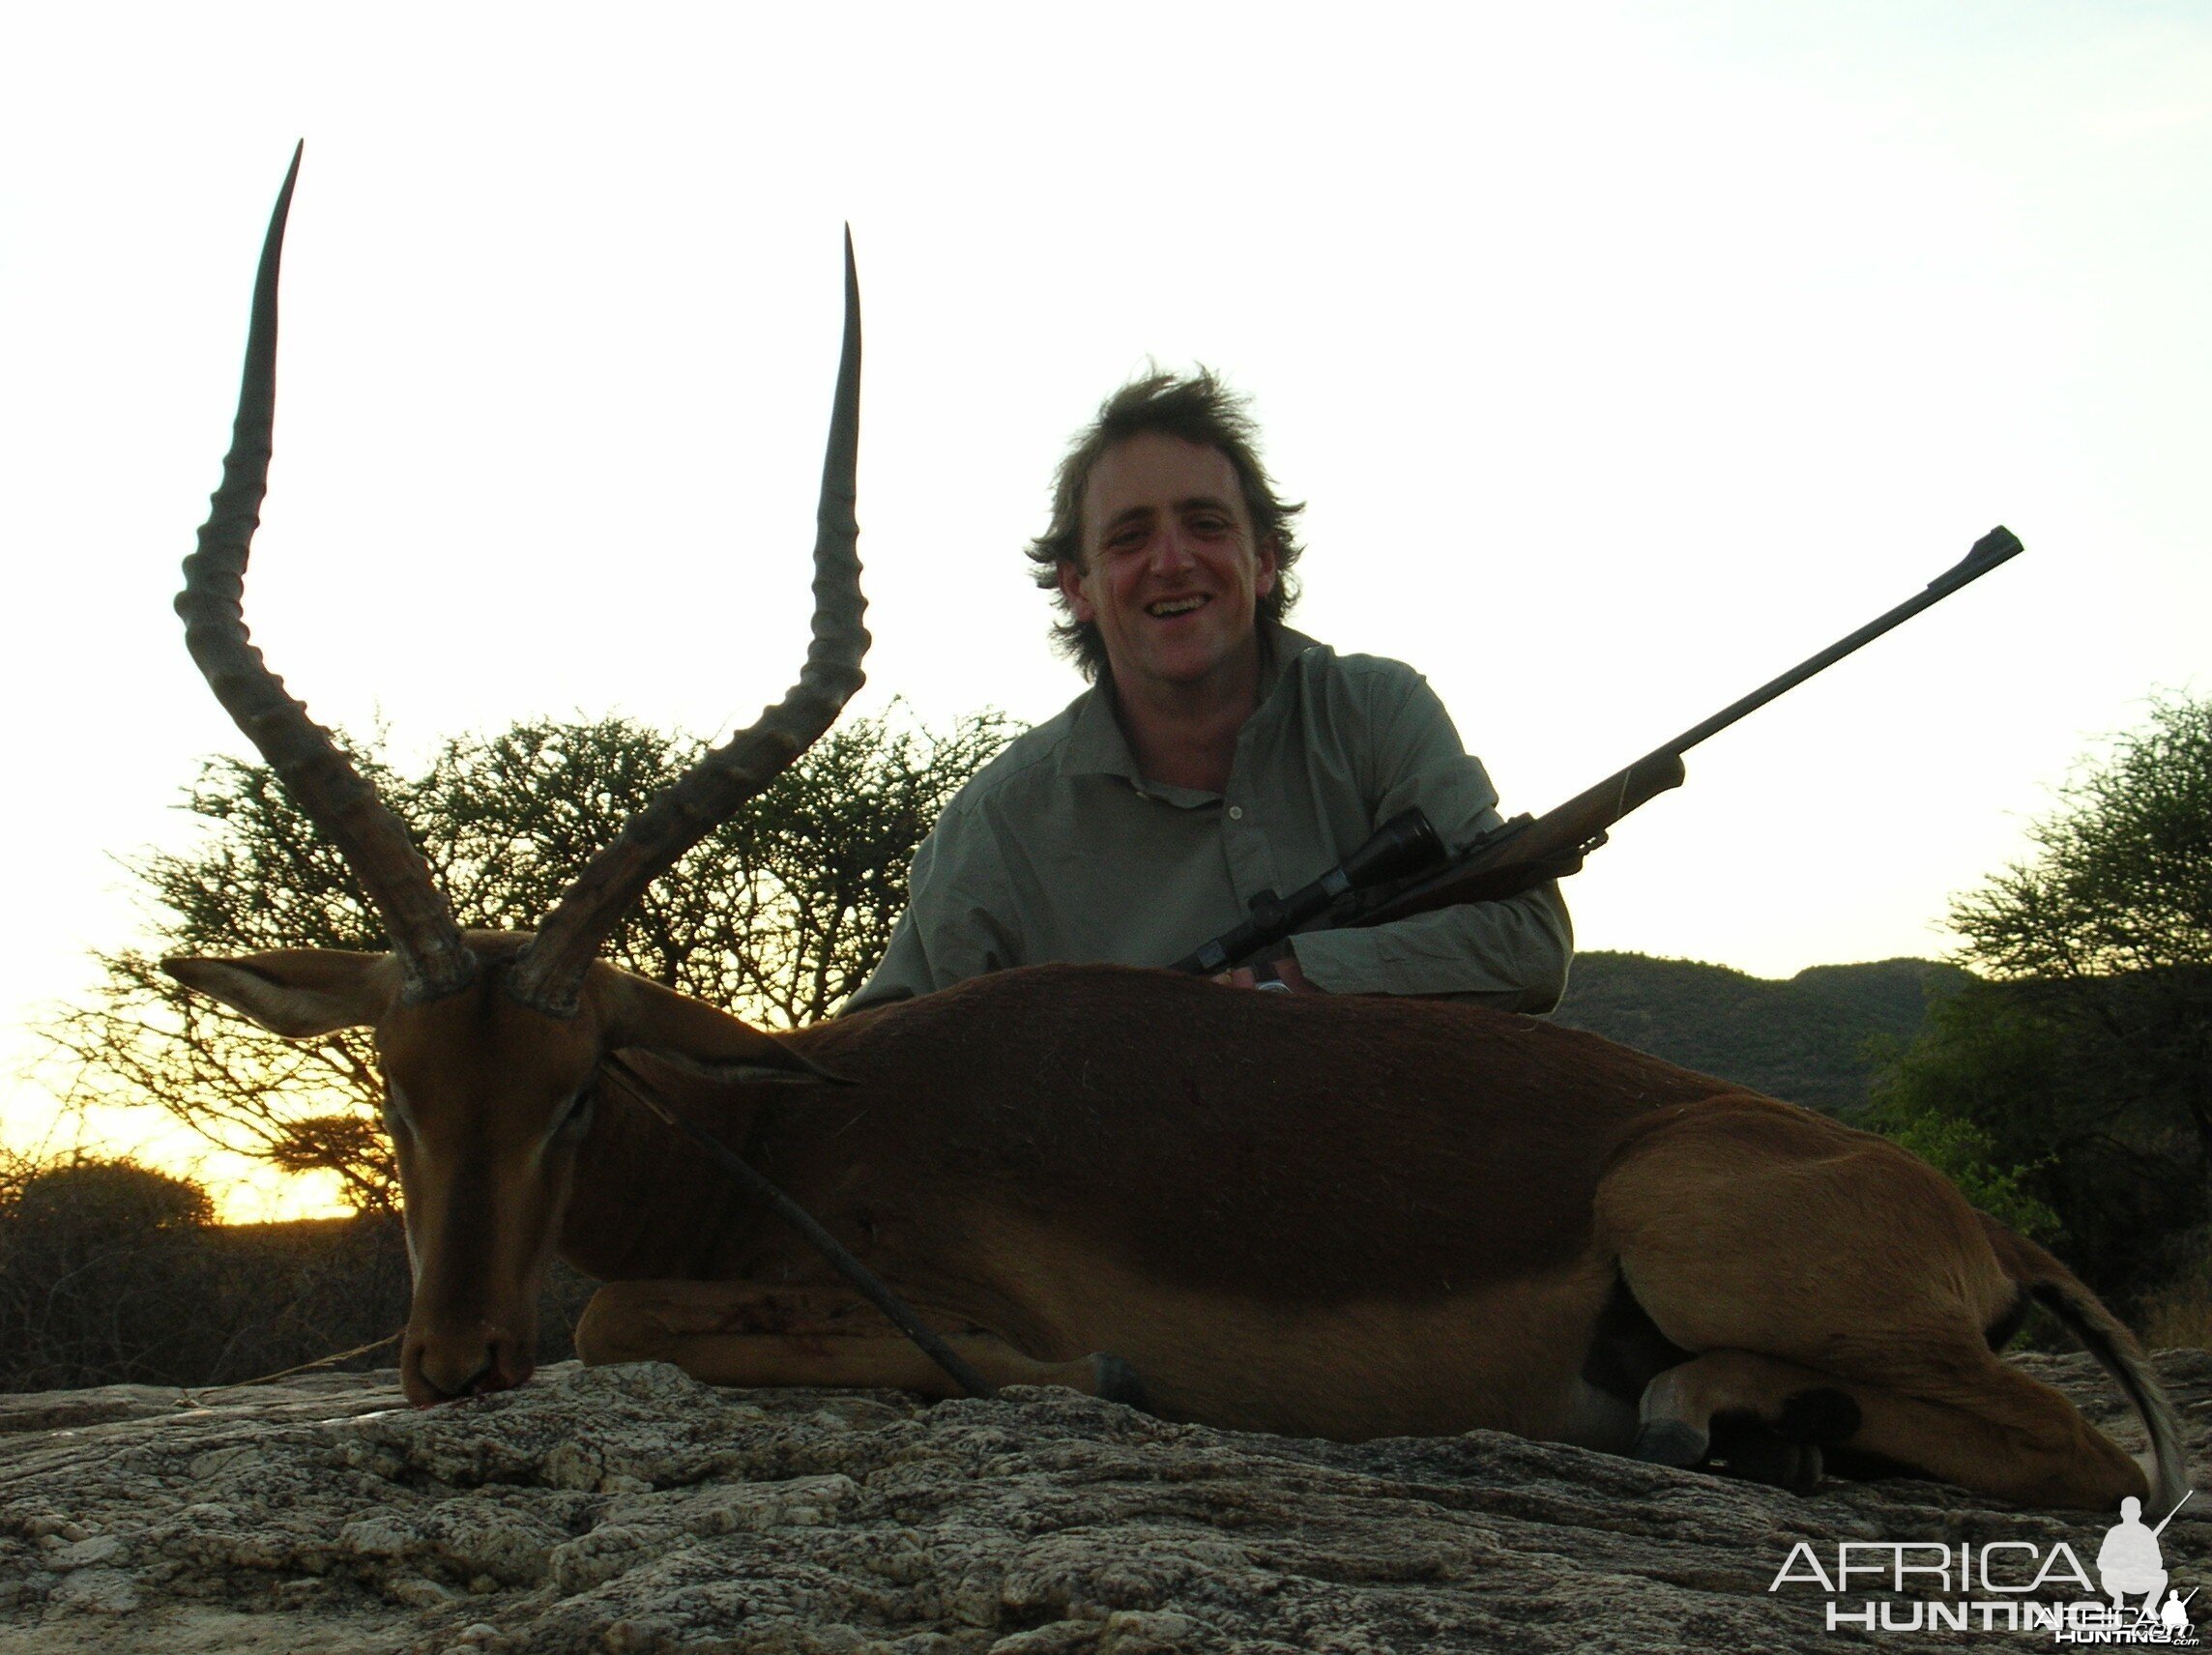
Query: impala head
(490, 1043)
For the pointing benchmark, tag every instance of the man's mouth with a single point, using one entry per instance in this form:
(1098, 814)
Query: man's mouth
(1172, 606)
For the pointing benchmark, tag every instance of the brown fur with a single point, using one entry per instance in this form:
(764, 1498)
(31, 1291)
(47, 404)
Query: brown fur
(1344, 1217)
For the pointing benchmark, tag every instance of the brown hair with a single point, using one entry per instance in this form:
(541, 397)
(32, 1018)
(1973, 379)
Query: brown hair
(1197, 409)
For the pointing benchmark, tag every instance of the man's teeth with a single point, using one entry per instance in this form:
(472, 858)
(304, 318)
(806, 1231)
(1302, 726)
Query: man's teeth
(1174, 606)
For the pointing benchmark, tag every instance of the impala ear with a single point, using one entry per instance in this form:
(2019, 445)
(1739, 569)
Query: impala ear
(297, 992)
(695, 1038)
(772, 1063)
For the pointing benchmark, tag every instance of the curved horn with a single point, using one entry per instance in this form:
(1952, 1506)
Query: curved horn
(549, 971)
(320, 778)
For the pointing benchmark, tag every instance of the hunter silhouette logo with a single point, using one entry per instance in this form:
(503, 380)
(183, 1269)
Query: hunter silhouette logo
(2130, 1562)
(2006, 1586)
(2175, 1616)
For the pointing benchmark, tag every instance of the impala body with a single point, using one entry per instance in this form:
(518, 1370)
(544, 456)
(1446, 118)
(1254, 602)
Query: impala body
(1345, 1217)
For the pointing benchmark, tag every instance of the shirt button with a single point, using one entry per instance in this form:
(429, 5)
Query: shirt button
(1236, 813)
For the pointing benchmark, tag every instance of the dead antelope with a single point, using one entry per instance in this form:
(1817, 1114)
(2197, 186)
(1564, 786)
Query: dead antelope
(1347, 1218)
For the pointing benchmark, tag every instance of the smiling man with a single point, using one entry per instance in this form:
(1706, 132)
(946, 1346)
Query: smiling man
(1217, 754)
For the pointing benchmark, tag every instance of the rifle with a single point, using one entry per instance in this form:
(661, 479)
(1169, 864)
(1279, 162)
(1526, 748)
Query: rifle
(1374, 886)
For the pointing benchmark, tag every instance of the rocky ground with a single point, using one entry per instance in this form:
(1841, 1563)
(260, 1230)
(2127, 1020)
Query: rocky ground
(630, 1510)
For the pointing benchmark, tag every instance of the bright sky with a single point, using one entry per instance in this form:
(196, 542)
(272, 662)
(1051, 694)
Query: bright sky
(1625, 353)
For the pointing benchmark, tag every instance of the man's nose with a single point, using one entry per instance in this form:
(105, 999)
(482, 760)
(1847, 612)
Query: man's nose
(1171, 551)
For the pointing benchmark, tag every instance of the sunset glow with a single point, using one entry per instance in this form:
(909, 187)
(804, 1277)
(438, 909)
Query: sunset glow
(1625, 354)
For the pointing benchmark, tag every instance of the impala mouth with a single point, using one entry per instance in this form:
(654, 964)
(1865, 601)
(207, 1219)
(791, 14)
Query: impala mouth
(1168, 607)
(436, 1370)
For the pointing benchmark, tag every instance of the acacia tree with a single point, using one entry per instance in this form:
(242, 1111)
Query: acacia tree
(779, 916)
(2084, 1061)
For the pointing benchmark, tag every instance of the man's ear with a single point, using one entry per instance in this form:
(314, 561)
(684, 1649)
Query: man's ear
(1265, 560)
(697, 1038)
(297, 992)
(1071, 589)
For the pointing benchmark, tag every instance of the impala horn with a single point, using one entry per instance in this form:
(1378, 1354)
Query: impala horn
(550, 971)
(320, 778)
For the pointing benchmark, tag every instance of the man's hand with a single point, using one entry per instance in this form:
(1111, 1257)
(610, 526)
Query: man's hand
(1285, 972)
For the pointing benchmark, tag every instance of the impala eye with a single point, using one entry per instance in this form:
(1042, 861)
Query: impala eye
(395, 1118)
(578, 1121)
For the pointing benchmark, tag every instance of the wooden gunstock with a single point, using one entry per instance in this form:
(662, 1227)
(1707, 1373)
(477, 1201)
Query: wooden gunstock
(1547, 848)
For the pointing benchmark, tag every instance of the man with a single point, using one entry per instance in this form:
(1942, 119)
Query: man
(1217, 755)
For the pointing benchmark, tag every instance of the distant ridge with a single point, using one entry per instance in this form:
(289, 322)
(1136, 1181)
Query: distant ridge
(1804, 1038)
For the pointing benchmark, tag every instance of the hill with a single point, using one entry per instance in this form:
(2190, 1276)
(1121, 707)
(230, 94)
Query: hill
(1805, 1039)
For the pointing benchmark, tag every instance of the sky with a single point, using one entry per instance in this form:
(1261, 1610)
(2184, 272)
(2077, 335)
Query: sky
(1624, 355)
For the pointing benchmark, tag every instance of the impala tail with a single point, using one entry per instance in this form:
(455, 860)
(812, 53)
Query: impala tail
(2044, 1280)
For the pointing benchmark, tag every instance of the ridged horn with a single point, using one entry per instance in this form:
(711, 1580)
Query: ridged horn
(549, 971)
(319, 777)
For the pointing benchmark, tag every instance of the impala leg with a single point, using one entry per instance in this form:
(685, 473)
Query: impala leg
(738, 1333)
(1769, 1420)
(1997, 1430)
(1806, 1263)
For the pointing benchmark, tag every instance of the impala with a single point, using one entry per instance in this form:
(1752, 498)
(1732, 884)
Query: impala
(1340, 1217)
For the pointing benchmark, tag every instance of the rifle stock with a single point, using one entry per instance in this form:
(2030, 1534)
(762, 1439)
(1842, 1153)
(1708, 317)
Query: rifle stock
(1527, 851)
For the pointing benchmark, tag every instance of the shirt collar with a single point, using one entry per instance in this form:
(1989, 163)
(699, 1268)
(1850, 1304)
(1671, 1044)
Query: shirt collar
(1096, 746)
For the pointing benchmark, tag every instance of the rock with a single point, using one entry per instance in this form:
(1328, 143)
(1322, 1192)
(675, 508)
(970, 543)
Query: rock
(632, 1511)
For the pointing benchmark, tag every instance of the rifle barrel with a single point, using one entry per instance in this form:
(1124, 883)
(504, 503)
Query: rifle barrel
(1990, 550)
(1580, 824)
(2172, 1515)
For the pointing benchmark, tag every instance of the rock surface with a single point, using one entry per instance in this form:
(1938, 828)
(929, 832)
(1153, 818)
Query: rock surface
(627, 1511)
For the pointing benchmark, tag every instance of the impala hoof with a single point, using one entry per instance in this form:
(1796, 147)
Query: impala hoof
(1117, 1381)
(1759, 1453)
(1779, 1464)
(1670, 1442)
(1823, 1415)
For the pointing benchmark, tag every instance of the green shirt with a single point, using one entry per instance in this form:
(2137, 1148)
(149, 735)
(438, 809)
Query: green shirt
(1059, 849)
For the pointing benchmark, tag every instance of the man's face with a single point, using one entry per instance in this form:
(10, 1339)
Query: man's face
(1171, 573)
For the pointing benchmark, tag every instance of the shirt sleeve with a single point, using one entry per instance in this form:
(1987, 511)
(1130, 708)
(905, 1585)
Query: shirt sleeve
(956, 924)
(1511, 954)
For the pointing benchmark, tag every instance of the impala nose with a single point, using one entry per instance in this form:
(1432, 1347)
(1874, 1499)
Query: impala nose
(444, 1367)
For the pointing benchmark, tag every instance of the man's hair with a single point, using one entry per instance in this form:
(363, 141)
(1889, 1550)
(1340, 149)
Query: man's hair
(1199, 409)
